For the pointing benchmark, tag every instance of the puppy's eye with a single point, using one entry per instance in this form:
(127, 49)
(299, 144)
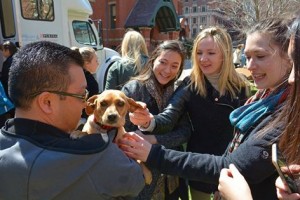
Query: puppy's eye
(121, 103)
(104, 104)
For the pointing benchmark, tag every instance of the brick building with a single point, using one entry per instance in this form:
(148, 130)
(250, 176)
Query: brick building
(157, 20)
(201, 14)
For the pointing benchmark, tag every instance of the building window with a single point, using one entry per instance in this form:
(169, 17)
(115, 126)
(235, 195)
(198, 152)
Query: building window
(194, 32)
(194, 9)
(203, 20)
(194, 20)
(113, 18)
(203, 8)
(186, 10)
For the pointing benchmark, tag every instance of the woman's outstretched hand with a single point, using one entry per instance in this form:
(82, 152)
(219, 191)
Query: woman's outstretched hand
(141, 117)
(134, 146)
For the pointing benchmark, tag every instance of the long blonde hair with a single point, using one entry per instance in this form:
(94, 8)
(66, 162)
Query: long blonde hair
(133, 47)
(229, 80)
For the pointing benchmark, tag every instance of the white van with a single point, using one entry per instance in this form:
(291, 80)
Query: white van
(62, 21)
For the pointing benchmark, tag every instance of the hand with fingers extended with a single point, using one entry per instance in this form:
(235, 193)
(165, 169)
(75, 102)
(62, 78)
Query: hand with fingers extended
(150, 138)
(141, 117)
(232, 185)
(135, 146)
(282, 191)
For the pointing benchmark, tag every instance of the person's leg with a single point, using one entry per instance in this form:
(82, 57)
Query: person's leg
(2, 120)
(197, 195)
(181, 191)
(6, 116)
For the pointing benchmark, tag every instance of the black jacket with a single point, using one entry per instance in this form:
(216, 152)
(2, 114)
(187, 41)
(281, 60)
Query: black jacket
(209, 116)
(5, 73)
(92, 87)
(252, 158)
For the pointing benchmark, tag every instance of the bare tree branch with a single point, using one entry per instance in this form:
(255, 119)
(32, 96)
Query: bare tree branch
(242, 14)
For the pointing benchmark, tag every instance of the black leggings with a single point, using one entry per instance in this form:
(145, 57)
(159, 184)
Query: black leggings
(181, 192)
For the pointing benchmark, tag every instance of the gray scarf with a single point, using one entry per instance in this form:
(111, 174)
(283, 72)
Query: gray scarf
(160, 93)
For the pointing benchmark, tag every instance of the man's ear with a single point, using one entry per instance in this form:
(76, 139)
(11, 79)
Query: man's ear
(45, 102)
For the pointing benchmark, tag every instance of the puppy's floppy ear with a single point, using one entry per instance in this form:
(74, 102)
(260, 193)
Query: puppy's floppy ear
(133, 105)
(91, 105)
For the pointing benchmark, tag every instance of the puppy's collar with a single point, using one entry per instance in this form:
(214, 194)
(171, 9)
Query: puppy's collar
(105, 127)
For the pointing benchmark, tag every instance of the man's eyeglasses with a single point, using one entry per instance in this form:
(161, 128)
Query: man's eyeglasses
(83, 97)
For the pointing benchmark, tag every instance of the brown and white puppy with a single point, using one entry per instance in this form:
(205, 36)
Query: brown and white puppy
(106, 111)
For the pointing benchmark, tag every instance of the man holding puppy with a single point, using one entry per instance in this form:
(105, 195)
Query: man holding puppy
(39, 160)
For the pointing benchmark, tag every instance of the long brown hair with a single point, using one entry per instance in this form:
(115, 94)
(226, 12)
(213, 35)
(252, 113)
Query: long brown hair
(168, 45)
(290, 139)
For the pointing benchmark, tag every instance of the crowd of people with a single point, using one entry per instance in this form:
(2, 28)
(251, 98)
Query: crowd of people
(268, 60)
(206, 136)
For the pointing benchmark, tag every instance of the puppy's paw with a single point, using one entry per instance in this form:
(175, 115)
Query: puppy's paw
(77, 134)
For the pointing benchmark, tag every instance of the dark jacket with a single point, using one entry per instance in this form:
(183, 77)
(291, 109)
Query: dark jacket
(252, 158)
(5, 73)
(120, 72)
(209, 116)
(42, 162)
(92, 87)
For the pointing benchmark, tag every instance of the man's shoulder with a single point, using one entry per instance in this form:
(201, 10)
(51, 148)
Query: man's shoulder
(51, 138)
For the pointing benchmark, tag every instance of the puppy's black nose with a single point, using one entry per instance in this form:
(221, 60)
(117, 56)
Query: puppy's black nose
(112, 117)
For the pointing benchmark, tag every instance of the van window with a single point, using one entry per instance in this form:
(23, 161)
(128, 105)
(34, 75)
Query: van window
(37, 9)
(7, 19)
(84, 33)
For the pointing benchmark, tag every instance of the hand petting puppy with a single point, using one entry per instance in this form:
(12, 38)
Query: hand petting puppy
(141, 116)
(135, 146)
